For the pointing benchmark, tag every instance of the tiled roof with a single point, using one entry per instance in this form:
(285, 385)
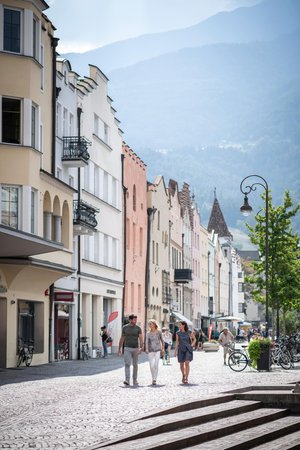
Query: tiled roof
(217, 221)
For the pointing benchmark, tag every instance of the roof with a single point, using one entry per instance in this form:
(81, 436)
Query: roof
(217, 221)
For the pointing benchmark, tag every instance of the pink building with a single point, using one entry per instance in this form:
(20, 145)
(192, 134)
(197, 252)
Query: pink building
(135, 234)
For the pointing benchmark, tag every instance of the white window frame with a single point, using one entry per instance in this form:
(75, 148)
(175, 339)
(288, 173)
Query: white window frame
(21, 30)
(21, 119)
(19, 225)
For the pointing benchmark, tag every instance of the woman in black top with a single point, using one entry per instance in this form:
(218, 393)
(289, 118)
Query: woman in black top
(104, 337)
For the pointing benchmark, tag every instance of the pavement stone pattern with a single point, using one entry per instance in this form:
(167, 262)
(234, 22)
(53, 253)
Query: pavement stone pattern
(77, 404)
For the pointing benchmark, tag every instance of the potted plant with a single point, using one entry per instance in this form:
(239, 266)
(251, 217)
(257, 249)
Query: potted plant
(259, 351)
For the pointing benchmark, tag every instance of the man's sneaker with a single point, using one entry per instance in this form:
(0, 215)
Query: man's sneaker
(126, 383)
(136, 383)
(154, 382)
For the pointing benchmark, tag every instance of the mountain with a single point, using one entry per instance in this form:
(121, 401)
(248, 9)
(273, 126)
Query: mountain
(261, 22)
(212, 115)
(205, 95)
(213, 103)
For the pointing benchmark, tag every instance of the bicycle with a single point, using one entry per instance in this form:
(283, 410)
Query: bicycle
(25, 353)
(239, 359)
(281, 356)
(85, 350)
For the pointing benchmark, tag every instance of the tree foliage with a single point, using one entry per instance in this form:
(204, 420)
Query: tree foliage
(283, 256)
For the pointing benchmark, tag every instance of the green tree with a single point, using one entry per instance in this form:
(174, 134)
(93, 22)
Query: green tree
(284, 257)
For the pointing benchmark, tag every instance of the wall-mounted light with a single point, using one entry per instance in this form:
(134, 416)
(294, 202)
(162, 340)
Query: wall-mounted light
(12, 302)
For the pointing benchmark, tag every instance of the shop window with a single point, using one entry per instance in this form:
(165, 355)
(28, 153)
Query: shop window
(31, 323)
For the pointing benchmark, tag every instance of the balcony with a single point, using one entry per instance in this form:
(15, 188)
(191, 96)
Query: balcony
(182, 275)
(75, 152)
(84, 217)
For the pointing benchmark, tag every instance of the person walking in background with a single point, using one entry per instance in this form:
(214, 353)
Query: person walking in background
(104, 337)
(168, 340)
(225, 339)
(154, 347)
(200, 340)
(185, 341)
(132, 338)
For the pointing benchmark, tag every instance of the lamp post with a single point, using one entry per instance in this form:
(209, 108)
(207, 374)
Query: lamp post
(246, 209)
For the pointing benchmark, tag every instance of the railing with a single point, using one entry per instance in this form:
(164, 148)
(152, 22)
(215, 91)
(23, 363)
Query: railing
(75, 148)
(182, 275)
(84, 214)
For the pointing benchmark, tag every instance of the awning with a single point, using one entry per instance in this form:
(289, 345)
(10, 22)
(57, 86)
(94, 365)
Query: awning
(180, 316)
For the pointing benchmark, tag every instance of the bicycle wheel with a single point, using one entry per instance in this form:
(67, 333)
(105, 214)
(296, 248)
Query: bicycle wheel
(20, 359)
(237, 361)
(28, 359)
(285, 361)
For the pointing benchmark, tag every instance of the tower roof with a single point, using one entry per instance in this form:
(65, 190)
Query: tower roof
(217, 221)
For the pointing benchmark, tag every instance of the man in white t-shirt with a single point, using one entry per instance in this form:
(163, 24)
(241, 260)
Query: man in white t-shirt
(225, 340)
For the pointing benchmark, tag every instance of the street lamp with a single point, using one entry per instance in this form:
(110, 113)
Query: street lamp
(246, 209)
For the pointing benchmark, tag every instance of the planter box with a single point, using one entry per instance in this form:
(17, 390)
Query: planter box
(264, 361)
(210, 347)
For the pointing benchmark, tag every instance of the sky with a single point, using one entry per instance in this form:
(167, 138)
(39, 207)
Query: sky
(83, 26)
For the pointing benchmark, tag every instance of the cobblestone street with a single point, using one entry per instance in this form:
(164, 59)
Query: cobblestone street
(74, 404)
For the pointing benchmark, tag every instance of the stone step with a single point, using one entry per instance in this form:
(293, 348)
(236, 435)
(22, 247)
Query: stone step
(289, 442)
(173, 422)
(211, 400)
(192, 435)
(280, 434)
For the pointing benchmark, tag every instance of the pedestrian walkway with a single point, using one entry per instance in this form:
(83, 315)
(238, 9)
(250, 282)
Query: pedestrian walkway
(75, 404)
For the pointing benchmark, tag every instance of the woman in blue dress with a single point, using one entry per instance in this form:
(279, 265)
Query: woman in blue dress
(185, 341)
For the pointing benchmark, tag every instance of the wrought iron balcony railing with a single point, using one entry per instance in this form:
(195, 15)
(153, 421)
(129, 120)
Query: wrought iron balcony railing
(84, 215)
(75, 150)
(182, 275)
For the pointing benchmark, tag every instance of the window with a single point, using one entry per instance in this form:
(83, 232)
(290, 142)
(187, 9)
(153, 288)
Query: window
(71, 124)
(114, 253)
(71, 181)
(134, 198)
(12, 31)
(127, 234)
(35, 40)
(42, 69)
(101, 129)
(241, 308)
(32, 210)
(58, 117)
(134, 238)
(30, 318)
(158, 220)
(240, 287)
(10, 206)
(34, 116)
(11, 120)
(65, 118)
(141, 241)
(240, 274)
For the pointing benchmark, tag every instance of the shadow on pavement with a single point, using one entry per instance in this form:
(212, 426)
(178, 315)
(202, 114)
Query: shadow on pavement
(62, 369)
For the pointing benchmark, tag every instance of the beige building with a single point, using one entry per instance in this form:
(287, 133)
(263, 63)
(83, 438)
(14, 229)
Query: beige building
(36, 207)
(158, 289)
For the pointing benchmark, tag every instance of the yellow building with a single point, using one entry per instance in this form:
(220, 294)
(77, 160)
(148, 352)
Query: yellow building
(36, 208)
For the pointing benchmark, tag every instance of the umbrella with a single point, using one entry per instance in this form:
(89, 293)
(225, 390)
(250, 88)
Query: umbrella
(229, 319)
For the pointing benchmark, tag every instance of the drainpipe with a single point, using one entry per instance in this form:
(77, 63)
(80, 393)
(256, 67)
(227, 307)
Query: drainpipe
(54, 43)
(124, 237)
(51, 303)
(79, 112)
